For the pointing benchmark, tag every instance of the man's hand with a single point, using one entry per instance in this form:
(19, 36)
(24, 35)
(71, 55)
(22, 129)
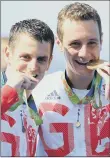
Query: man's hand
(20, 80)
(104, 71)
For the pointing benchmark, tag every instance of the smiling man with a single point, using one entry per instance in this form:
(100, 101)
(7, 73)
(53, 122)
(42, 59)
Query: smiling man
(28, 56)
(74, 104)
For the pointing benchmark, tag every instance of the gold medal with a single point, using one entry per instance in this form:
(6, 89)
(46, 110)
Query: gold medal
(78, 124)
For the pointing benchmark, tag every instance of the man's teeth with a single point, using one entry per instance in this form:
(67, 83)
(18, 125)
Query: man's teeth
(82, 63)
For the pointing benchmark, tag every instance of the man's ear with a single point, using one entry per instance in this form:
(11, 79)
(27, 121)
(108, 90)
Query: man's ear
(7, 54)
(59, 43)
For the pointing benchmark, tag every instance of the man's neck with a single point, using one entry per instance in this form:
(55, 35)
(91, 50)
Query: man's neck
(28, 93)
(79, 82)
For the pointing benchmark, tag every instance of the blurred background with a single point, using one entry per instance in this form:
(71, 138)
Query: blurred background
(14, 11)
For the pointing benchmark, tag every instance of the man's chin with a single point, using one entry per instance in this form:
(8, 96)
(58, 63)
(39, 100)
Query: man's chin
(82, 71)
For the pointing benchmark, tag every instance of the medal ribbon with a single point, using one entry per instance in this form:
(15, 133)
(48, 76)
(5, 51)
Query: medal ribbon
(91, 95)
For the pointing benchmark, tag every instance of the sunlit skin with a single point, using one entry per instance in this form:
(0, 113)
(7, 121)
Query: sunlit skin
(29, 59)
(4, 42)
(81, 43)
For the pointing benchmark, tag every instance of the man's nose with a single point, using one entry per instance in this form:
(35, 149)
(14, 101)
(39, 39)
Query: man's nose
(83, 52)
(33, 65)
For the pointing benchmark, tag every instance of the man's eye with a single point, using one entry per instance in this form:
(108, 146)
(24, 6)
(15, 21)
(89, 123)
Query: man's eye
(75, 44)
(25, 57)
(41, 59)
(92, 43)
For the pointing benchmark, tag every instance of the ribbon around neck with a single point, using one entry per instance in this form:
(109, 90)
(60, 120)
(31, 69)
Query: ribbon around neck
(91, 96)
(23, 100)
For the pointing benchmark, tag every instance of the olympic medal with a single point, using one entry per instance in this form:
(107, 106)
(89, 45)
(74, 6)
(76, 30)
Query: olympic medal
(95, 64)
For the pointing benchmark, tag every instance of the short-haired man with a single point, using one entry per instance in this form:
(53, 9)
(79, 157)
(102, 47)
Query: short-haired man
(74, 104)
(28, 57)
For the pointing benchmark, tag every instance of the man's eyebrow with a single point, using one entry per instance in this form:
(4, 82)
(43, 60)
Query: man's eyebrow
(25, 53)
(43, 57)
(78, 40)
(72, 41)
(93, 39)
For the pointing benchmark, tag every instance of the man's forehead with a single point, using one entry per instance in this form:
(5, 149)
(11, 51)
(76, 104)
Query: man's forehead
(67, 23)
(80, 28)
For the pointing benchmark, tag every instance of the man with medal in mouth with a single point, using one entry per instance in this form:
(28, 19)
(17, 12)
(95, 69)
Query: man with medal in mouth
(74, 104)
